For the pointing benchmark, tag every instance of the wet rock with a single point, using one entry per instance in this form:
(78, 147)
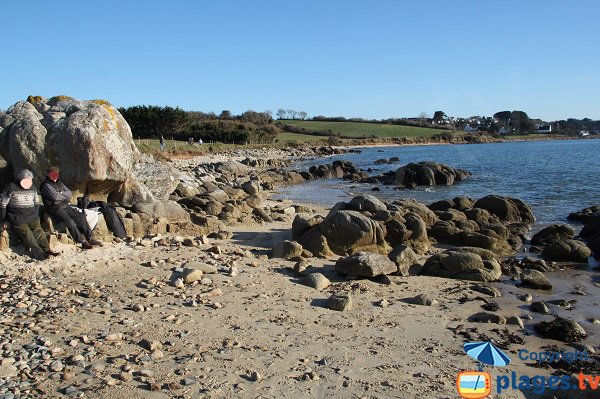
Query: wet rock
(567, 251)
(565, 330)
(535, 279)
(517, 321)
(365, 264)
(485, 317)
(487, 290)
(539, 307)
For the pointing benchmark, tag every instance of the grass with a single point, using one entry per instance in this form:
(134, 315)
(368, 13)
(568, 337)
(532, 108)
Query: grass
(308, 138)
(361, 129)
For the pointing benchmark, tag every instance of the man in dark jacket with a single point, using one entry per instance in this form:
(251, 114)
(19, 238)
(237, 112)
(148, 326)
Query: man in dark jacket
(20, 206)
(57, 197)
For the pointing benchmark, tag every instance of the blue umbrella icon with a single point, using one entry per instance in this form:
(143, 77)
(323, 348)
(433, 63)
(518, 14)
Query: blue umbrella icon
(486, 352)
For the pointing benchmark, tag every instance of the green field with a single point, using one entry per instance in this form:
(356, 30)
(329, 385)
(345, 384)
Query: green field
(361, 129)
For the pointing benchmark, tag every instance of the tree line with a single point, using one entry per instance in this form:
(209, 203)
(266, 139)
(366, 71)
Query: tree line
(151, 121)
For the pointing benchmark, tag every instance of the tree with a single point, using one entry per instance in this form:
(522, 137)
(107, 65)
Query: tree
(439, 116)
(520, 121)
(302, 115)
(291, 114)
(281, 113)
(503, 117)
(225, 114)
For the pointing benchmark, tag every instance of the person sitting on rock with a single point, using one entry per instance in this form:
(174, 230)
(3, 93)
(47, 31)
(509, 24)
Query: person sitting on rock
(57, 197)
(20, 206)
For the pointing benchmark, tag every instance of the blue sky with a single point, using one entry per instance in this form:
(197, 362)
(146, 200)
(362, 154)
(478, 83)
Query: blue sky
(372, 59)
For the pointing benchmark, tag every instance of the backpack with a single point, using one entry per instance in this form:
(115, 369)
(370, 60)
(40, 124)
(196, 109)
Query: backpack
(114, 222)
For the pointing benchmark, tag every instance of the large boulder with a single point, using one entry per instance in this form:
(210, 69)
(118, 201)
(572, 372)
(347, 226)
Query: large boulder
(535, 279)
(365, 264)
(350, 231)
(160, 178)
(511, 210)
(366, 203)
(567, 251)
(404, 258)
(427, 174)
(464, 263)
(552, 233)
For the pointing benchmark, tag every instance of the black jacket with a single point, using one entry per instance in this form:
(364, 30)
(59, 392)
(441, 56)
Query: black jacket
(55, 194)
(19, 206)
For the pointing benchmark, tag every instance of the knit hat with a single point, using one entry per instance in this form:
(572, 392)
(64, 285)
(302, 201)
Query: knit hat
(23, 174)
(53, 169)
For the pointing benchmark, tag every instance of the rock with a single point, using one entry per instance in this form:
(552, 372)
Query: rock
(560, 329)
(540, 265)
(568, 251)
(404, 258)
(303, 223)
(151, 345)
(350, 231)
(261, 214)
(233, 167)
(539, 307)
(203, 267)
(316, 243)
(8, 371)
(178, 283)
(553, 233)
(365, 264)
(159, 177)
(487, 290)
(340, 302)
(526, 297)
(383, 303)
(114, 337)
(485, 317)
(366, 203)
(317, 281)
(517, 321)
(192, 275)
(252, 188)
(508, 209)
(424, 300)
(56, 366)
(535, 279)
(465, 263)
(287, 250)
(427, 174)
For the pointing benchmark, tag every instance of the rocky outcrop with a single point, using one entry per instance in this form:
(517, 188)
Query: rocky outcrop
(464, 263)
(591, 227)
(421, 174)
(556, 243)
(462, 221)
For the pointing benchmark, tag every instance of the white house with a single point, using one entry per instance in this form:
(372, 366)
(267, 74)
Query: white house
(545, 129)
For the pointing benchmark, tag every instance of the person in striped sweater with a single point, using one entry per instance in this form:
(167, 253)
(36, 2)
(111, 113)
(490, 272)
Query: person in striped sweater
(20, 205)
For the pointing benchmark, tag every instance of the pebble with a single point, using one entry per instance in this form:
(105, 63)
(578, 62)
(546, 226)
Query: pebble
(516, 320)
(125, 376)
(179, 283)
(138, 308)
(113, 337)
(192, 275)
(188, 381)
(526, 298)
(233, 271)
(56, 366)
(151, 345)
(383, 303)
(255, 376)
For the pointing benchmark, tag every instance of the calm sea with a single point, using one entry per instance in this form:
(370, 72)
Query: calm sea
(554, 177)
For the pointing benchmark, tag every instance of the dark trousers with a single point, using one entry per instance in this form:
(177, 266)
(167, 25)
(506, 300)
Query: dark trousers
(74, 220)
(32, 236)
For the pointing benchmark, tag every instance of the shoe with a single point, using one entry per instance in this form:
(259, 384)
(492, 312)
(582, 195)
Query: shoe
(52, 253)
(86, 245)
(95, 242)
(41, 256)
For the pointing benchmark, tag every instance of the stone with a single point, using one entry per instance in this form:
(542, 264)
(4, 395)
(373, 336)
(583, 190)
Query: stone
(252, 187)
(350, 231)
(405, 258)
(535, 279)
(487, 290)
(151, 345)
(517, 321)
(191, 275)
(552, 233)
(340, 302)
(466, 263)
(539, 307)
(317, 281)
(508, 209)
(365, 264)
(560, 329)
(567, 251)
(424, 300)
(486, 317)
(367, 203)
(113, 337)
(287, 250)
